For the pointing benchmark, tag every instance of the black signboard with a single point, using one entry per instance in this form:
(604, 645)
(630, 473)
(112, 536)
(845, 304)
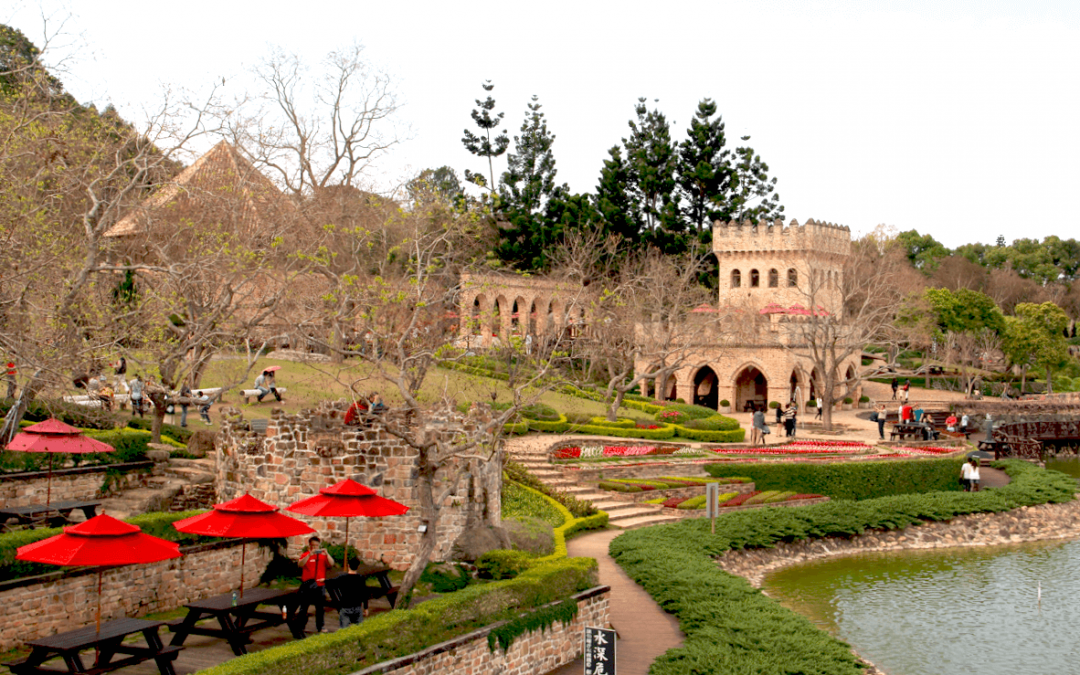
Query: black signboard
(599, 651)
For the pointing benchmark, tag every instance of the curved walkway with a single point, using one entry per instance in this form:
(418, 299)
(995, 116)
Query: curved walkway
(645, 631)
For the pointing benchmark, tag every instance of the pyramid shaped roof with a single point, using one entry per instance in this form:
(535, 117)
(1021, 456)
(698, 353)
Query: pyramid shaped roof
(222, 185)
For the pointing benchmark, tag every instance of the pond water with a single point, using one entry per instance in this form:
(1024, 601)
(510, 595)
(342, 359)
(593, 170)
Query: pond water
(947, 610)
(1065, 463)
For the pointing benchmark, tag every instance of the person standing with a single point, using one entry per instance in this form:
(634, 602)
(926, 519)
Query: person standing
(353, 591)
(204, 402)
(266, 384)
(759, 425)
(907, 389)
(973, 477)
(965, 476)
(964, 421)
(185, 399)
(137, 387)
(817, 415)
(881, 416)
(895, 386)
(314, 563)
(790, 415)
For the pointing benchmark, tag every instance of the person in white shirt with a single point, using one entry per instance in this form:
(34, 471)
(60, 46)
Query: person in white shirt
(965, 476)
(974, 475)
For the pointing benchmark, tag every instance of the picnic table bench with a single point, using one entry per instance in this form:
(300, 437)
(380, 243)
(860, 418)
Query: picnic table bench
(109, 642)
(338, 584)
(905, 430)
(36, 513)
(237, 622)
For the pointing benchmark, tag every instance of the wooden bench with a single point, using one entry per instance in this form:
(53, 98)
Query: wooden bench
(913, 432)
(249, 394)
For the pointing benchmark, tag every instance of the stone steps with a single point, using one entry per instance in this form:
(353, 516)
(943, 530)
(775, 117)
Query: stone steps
(579, 489)
(635, 511)
(612, 506)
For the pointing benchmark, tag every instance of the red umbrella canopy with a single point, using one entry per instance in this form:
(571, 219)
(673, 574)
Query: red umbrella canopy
(54, 436)
(348, 499)
(102, 540)
(244, 517)
(271, 369)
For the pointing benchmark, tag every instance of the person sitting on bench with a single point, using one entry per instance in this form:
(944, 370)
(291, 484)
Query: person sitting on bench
(266, 385)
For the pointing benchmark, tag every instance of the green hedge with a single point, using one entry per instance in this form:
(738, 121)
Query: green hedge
(156, 524)
(732, 627)
(517, 500)
(620, 423)
(558, 426)
(516, 428)
(850, 480)
(576, 507)
(401, 632)
(733, 436)
(664, 432)
(473, 370)
(714, 423)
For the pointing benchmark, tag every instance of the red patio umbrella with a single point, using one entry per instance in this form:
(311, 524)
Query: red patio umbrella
(246, 518)
(101, 541)
(55, 437)
(348, 499)
(270, 369)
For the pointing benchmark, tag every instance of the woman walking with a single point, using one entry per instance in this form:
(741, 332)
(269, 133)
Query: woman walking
(881, 415)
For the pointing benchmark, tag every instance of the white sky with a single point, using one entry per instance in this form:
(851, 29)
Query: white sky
(953, 118)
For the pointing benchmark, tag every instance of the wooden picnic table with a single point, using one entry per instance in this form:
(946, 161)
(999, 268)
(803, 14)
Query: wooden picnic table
(237, 622)
(339, 585)
(108, 642)
(911, 430)
(35, 513)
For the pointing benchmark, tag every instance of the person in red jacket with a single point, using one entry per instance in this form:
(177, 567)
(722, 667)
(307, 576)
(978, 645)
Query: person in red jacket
(906, 414)
(314, 564)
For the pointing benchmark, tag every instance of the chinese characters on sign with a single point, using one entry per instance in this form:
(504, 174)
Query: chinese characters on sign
(599, 651)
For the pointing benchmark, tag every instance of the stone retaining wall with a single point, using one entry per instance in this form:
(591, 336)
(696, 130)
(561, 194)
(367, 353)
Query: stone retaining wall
(533, 653)
(592, 472)
(1029, 523)
(77, 484)
(63, 601)
(670, 493)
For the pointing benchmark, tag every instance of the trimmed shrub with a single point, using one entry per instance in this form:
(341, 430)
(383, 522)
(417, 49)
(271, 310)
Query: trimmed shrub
(694, 412)
(850, 480)
(692, 504)
(576, 507)
(725, 403)
(773, 405)
(848, 400)
(734, 436)
(714, 423)
(864, 399)
(518, 502)
(622, 422)
(558, 426)
(812, 403)
(541, 412)
(502, 564)
(445, 577)
(179, 434)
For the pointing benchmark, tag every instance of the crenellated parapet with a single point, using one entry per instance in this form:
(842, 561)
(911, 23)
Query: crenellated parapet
(775, 237)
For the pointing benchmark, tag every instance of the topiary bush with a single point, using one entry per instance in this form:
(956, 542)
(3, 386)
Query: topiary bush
(724, 403)
(541, 412)
(445, 577)
(502, 564)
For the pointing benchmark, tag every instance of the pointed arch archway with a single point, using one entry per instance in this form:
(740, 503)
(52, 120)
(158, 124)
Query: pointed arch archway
(750, 386)
(706, 388)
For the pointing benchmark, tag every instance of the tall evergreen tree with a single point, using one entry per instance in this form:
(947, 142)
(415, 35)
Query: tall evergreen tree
(484, 145)
(651, 157)
(754, 197)
(526, 187)
(704, 171)
(618, 212)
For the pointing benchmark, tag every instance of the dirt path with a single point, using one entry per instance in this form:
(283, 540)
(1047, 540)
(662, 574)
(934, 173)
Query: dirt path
(645, 631)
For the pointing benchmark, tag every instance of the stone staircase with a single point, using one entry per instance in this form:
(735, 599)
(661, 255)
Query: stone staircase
(183, 484)
(621, 514)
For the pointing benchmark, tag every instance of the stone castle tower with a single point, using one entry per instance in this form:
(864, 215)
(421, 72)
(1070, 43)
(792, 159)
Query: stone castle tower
(773, 264)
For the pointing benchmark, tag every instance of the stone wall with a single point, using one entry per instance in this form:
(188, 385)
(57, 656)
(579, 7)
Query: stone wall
(80, 483)
(65, 600)
(302, 453)
(1029, 523)
(534, 653)
(586, 473)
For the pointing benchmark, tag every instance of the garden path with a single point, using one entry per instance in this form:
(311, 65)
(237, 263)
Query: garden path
(645, 631)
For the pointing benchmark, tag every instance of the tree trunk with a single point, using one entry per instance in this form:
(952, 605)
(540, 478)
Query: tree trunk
(16, 412)
(337, 353)
(429, 512)
(1049, 381)
(1023, 379)
(159, 399)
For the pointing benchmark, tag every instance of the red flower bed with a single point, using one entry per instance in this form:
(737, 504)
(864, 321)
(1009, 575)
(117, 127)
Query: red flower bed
(796, 497)
(648, 426)
(738, 500)
(567, 453)
(674, 501)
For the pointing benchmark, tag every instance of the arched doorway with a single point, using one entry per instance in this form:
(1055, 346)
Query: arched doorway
(532, 319)
(706, 386)
(475, 323)
(793, 385)
(669, 389)
(751, 386)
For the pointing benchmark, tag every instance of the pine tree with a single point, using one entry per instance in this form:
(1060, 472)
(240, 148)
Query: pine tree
(754, 195)
(651, 158)
(484, 145)
(617, 210)
(704, 171)
(526, 187)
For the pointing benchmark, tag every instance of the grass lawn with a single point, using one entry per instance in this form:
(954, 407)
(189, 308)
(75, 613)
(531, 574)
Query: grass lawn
(309, 383)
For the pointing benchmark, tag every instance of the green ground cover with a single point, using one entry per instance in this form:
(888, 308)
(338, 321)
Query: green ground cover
(732, 628)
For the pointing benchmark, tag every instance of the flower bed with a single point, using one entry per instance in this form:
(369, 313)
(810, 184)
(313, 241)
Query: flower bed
(803, 448)
(646, 484)
(596, 451)
(930, 450)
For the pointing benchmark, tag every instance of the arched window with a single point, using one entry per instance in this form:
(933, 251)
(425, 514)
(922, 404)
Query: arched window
(774, 278)
(755, 279)
(792, 278)
(736, 278)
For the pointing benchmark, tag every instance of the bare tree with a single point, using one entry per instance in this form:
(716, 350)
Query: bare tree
(866, 303)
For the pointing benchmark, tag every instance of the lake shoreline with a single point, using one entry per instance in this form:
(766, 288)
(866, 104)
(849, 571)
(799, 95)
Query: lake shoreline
(1046, 522)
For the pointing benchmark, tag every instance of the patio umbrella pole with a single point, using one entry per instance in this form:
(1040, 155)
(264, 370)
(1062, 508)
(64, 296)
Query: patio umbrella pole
(348, 570)
(243, 555)
(48, 488)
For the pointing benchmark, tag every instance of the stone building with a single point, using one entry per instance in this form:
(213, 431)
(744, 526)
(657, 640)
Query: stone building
(300, 454)
(768, 274)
